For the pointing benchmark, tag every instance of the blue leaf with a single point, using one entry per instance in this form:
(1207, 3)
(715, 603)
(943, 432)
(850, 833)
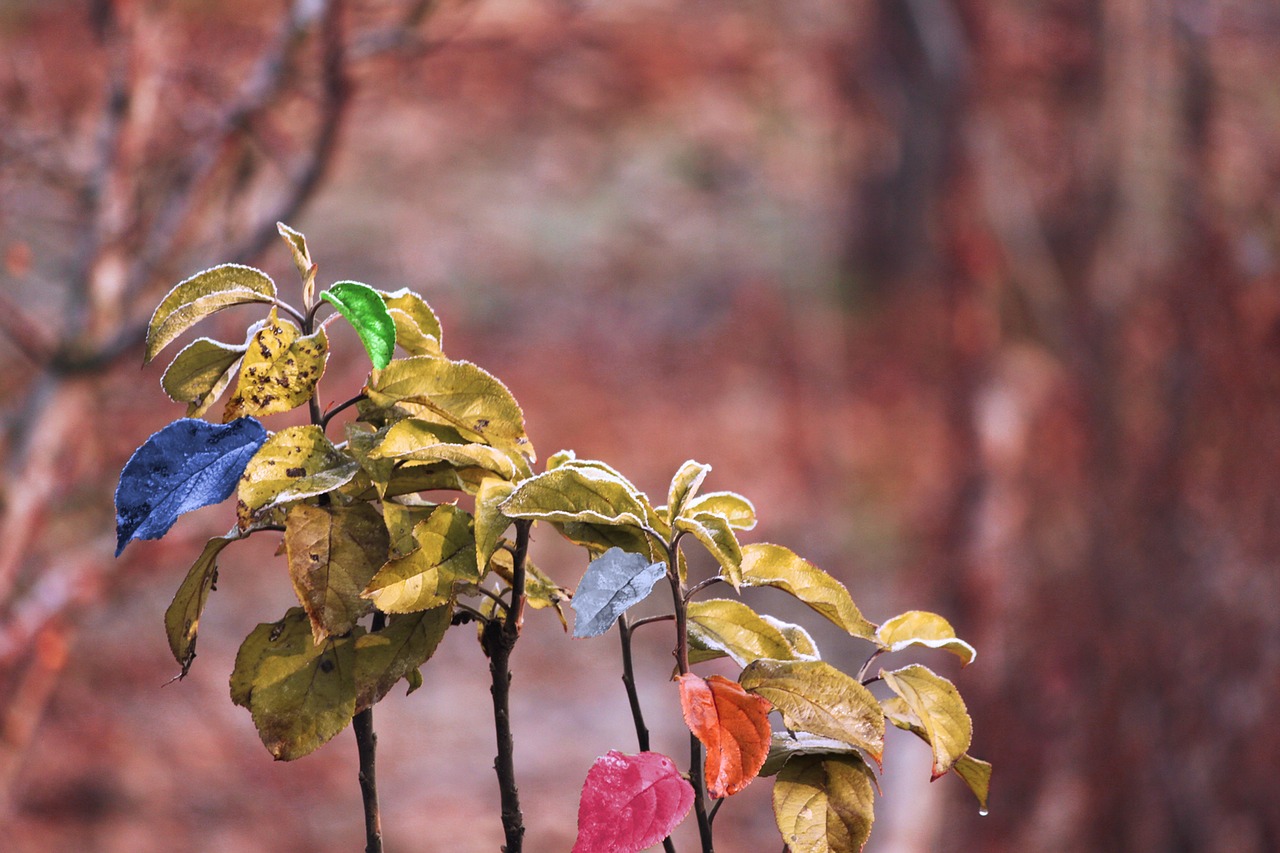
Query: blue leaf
(189, 464)
(614, 582)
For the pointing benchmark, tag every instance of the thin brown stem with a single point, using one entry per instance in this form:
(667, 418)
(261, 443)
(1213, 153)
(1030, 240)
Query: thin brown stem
(367, 745)
(629, 681)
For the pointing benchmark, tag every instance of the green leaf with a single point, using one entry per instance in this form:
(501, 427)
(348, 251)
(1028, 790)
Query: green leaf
(778, 567)
(400, 520)
(824, 804)
(200, 372)
(201, 295)
(815, 697)
(684, 486)
(454, 393)
(921, 628)
(279, 372)
(425, 578)
(732, 507)
(490, 523)
(296, 463)
(717, 537)
(300, 694)
(735, 629)
(406, 643)
(415, 440)
(785, 745)
(575, 494)
(417, 328)
(364, 309)
(937, 705)
(182, 618)
(333, 552)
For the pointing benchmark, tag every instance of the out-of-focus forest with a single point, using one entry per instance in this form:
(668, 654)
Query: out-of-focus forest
(979, 302)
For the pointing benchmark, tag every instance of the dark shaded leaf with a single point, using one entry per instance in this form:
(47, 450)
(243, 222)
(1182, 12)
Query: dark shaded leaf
(824, 804)
(333, 552)
(182, 618)
(406, 643)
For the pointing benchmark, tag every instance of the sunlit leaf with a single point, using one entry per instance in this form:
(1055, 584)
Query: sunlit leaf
(201, 295)
(976, 773)
(182, 618)
(187, 465)
(735, 629)
(406, 643)
(300, 694)
(333, 552)
(937, 705)
(630, 802)
(572, 494)
(684, 486)
(280, 370)
(784, 746)
(415, 440)
(824, 804)
(718, 538)
(363, 308)
(920, 628)
(732, 507)
(815, 697)
(417, 328)
(200, 372)
(732, 724)
(295, 463)
(454, 393)
(297, 244)
(802, 645)
(425, 577)
(776, 566)
(613, 583)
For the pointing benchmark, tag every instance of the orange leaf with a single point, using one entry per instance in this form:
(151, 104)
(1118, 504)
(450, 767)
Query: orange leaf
(732, 724)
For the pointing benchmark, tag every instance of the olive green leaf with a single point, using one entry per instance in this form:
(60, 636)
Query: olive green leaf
(921, 628)
(417, 328)
(297, 244)
(300, 694)
(540, 591)
(406, 643)
(201, 295)
(200, 372)
(598, 538)
(684, 486)
(732, 507)
(280, 370)
(333, 552)
(490, 523)
(824, 803)
(784, 745)
(400, 520)
(182, 618)
(732, 627)
(778, 567)
(975, 772)
(815, 697)
(576, 494)
(455, 393)
(425, 577)
(415, 440)
(802, 645)
(363, 308)
(295, 463)
(936, 703)
(715, 534)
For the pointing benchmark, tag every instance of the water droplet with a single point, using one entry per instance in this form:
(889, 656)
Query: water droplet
(982, 812)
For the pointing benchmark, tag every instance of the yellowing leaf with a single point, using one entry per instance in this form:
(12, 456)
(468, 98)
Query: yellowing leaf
(454, 393)
(802, 645)
(417, 329)
(776, 566)
(784, 746)
(201, 295)
(732, 507)
(490, 523)
(718, 538)
(573, 494)
(300, 694)
(406, 643)
(416, 440)
(920, 628)
(732, 724)
(815, 697)
(200, 372)
(182, 618)
(425, 578)
(735, 629)
(333, 553)
(295, 463)
(937, 705)
(975, 772)
(824, 804)
(684, 486)
(280, 370)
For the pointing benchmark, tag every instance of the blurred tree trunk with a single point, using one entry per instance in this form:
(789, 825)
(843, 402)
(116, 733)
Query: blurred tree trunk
(1109, 535)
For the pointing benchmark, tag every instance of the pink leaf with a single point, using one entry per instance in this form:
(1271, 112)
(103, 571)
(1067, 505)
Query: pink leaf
(630, 802)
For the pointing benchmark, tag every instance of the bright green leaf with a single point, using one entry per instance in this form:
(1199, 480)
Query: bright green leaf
(734, 508)
(333, 552)
(406, 643)
(182, 618)
(937, 705)
(363, 308)
(426, 577)
(717, 537)
(920, 628)
(295, 463)
(735, 629)
(815, 697)
(300, 694)
(201, 295)
(824, 804)
(279, 372)
(776, 566)
(417, 328)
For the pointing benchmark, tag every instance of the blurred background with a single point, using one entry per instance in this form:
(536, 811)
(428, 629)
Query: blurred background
(979, 302)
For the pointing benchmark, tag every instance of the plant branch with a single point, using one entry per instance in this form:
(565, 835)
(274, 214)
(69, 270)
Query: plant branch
(629, 681)
(345, 404)
(699, 790)
(649, 620)
(699, 587)
(862, 673)
(367, 744)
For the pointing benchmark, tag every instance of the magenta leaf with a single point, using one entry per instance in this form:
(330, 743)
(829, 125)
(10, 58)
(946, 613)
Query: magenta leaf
(630, 802)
